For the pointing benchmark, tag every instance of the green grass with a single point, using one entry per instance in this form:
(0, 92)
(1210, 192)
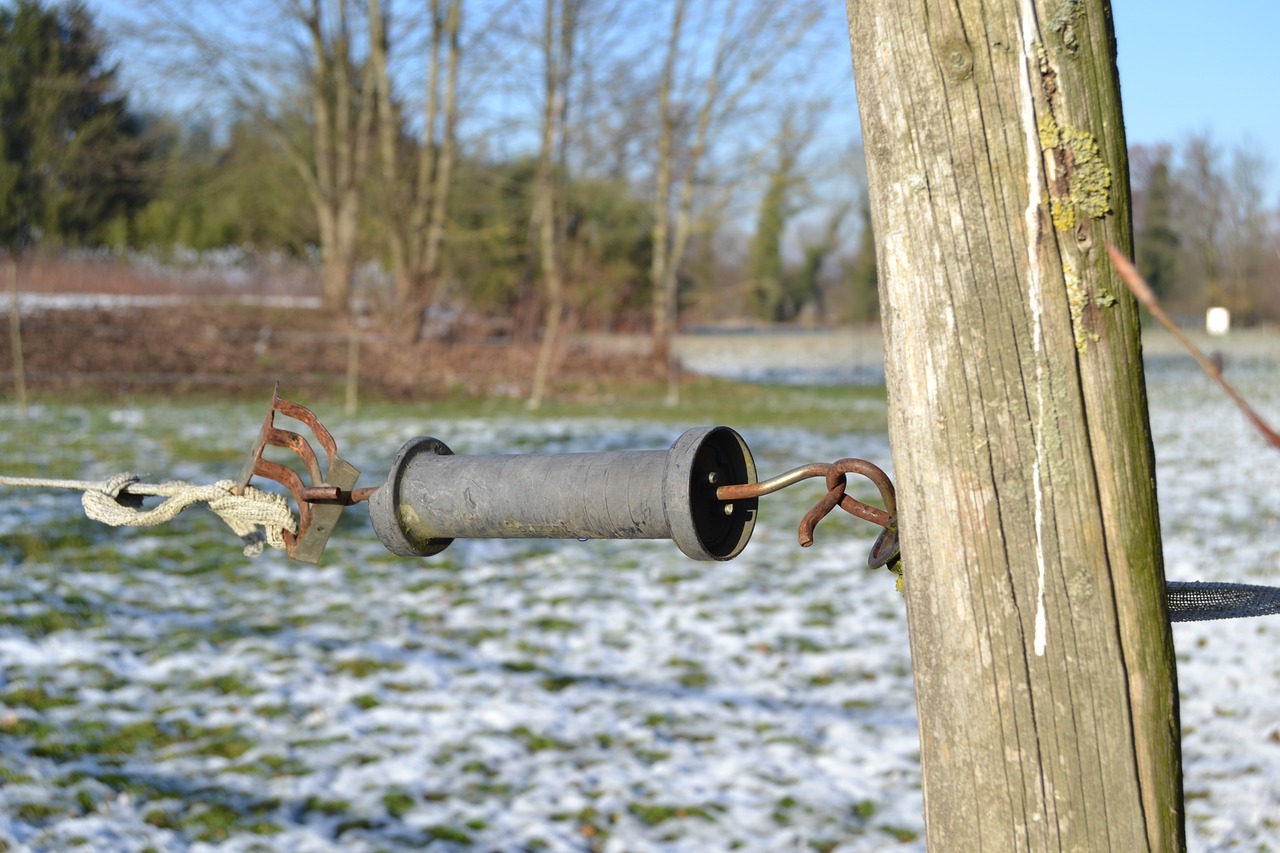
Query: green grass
(37, 698)
(556, 683)
(397, 803)
(326, 806)
(37, 812)
(364, 667)
(219, 821)
(228, 685)
(703, 401)
(900, 834)
(73, 613)
(448, 833)
(74, 739)
(652, 814)
(271, 766)
(536, 741)
(551, 624)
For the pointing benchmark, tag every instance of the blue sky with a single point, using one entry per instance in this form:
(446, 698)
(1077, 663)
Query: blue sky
(1191, 66)
(1185, 67)
(1188, 66)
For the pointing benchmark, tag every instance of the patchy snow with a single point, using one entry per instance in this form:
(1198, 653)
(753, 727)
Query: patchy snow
(1219, 491)
(504, 695)
(159, 690)
(845, 356)
(31, 303)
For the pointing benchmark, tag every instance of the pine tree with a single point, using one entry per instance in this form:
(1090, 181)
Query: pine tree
(768, 296)
(862, 272)
(71, 154)
(765, 256)
(1157, 241)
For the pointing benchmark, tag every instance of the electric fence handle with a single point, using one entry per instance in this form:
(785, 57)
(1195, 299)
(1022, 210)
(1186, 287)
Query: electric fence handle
(702, 493)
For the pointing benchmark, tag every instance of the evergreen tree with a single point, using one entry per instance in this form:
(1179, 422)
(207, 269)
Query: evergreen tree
(1157, 241)
(862, 273)
(215, 192)
(71, 154)
(768, 295)
(765, 257)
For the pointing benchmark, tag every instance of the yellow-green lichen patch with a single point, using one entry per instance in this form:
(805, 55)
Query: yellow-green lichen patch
(1077, 299)
(412, 527)
(1063, 213)
(1090, 178)
(1050, 135)
(1086, 177)
(1042, 56)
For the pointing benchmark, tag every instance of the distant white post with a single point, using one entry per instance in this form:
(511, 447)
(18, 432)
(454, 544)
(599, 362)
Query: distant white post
(1217, 321)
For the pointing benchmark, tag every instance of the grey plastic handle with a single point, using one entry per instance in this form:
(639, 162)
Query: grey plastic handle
(432, 497)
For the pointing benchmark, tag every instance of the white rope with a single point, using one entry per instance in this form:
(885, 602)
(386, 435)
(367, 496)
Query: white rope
(245, 513)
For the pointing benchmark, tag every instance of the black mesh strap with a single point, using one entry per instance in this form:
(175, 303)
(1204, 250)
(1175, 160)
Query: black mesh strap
(1199, 601)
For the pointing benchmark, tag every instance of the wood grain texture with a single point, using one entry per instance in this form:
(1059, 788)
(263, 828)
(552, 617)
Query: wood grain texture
(1041, 648)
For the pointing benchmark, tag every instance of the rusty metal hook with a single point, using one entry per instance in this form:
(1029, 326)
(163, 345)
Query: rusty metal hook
(836, 477)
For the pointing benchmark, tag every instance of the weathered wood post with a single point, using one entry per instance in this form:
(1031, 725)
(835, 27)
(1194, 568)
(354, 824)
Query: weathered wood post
(1042, 654)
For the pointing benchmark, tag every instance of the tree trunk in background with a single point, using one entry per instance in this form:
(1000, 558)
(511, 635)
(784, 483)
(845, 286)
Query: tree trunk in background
(342, 116)
(750, 43)
(418, 200)
(1041, 647)
(557, 55)
(664, 308)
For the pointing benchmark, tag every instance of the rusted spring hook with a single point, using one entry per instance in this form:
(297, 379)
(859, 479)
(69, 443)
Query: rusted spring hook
(885, 549)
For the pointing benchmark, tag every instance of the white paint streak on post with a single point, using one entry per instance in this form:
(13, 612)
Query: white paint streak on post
(1035, 296)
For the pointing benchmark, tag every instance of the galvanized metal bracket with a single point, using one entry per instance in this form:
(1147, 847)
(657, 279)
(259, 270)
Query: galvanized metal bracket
(320, 504)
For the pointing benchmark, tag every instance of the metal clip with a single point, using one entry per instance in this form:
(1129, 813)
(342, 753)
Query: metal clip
(885, 550)
(321, 503)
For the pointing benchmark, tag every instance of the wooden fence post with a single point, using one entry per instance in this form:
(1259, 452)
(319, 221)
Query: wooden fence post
(1041, 649)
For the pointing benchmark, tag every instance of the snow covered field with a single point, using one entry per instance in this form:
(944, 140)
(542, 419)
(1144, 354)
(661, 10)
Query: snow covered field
(159, 690)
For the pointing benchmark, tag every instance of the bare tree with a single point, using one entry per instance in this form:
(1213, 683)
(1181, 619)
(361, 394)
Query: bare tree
(749, 40)
(1223, 222)
(302, 65)
(557, 64)
(663, 264)
(1201, 203)
(342, 115)
(417, 201)
(1247, 238)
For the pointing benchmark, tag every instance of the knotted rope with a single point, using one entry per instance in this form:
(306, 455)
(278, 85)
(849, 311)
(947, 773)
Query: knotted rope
(257, 517)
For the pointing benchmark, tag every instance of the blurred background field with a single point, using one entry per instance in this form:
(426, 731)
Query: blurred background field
(528, 227)
(162, 691)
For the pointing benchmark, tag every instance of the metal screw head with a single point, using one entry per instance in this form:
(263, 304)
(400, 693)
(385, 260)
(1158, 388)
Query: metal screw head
(713, 478)
(728, 509)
